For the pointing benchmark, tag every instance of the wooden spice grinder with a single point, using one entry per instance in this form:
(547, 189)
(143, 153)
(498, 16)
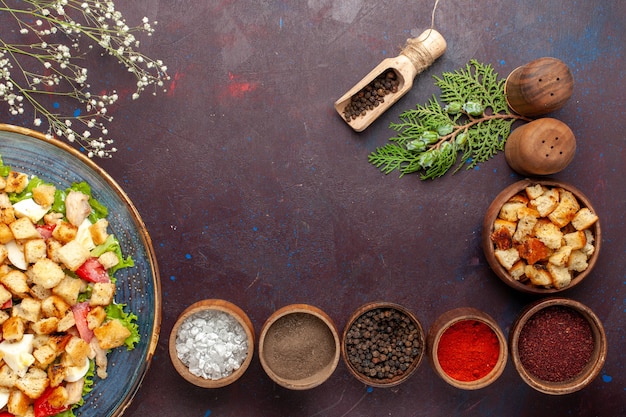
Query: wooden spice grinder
(418, 54)
(542, 147)
(539, 87)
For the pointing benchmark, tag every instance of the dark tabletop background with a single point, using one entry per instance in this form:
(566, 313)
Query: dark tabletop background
(255, 191)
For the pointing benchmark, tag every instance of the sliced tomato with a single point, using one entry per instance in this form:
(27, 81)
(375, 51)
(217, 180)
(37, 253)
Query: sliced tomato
(7, 304)
(93, 271)
(43, 408)
(80, 312)
(45, 230)
(6, 414)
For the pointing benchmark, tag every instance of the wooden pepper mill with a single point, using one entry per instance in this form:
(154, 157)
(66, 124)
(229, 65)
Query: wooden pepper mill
(539, 87)
(542, 147)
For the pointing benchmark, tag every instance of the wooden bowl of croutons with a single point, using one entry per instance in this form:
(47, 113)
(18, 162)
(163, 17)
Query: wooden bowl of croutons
(541, 236)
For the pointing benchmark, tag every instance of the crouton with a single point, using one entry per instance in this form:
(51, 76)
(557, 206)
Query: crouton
(47, 273)
(5, 295)
(4, 253)
(6, 235)
(16, 282)
(73, 255)
(78, 350)
(96, 317)
(39, 292)
(589, 248)
(56, 374)
(98, 231)
(561, 256)
(577, 261)
(7, 215)
(517, 271)
(576, 240)
(8, 377)
(15, 182)
(29, 309)
(527, 218)
(533, 250)
(24, 229)
(584, 219)
(34, 250)
(44, 356)
(561, 276)
(58, 397)
(64, 232)
(108, 259)
(46, 325)
(52, 247)
(538, 276)
(54, 306)
(34, 383)
(507, 257)
(13, 329)
(509, 210)
(102, 294)
(66, 322)
(534, 191)
(43, 194)
(18, 403)
(111, 334)
(548, 233)
(499, 223)
(502, 238)
(68, 289)
(4, 316)
(547, 202)
(566, 209)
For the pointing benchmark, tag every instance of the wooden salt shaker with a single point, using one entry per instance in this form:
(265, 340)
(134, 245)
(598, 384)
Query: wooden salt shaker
(418, 54)
(542, 147)
(539, 87)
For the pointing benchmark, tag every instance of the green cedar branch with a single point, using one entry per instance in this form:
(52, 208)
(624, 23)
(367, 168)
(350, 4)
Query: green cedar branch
(471, 118)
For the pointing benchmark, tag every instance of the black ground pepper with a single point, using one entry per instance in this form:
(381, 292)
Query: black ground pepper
(382, 343)
(555, 344)
(372, 95)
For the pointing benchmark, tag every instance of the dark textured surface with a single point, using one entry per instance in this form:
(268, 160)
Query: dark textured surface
(255, 191)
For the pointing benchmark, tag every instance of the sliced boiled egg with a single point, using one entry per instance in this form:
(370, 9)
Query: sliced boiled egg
(15, 253)
(18, 355)
(28, 208)
(83, 235)
(76, 373)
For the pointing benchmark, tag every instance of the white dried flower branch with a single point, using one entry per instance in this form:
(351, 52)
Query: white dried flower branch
(51, 64)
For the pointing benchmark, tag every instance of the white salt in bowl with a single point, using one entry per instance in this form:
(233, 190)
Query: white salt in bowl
(217, 331)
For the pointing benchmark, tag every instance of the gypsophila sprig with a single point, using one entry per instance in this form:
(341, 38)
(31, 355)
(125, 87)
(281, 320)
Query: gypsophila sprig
(58, 35)
(472, 118)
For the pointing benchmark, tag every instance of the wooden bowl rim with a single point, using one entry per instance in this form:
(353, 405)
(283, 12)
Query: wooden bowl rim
(456, 315)
(217, 305)
(321, 375)
(592, 369)
(492, 213)
(385, 383)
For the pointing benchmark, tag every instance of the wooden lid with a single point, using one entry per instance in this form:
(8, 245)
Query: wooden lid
(539, 87)
(542, 147)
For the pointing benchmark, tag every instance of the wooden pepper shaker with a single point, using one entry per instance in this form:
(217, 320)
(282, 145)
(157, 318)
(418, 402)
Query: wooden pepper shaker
(539, 87)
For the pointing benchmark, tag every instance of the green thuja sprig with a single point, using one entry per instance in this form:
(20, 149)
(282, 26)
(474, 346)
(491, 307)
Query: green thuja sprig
(471, 118)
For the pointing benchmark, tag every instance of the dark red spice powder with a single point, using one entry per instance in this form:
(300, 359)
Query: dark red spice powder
(555, 344)
(468, 350)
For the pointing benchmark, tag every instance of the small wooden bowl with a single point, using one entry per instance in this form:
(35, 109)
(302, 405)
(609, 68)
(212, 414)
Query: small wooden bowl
(542, 147)
(212, 305)
(539, 87)
(489, 249)
(591, 370)
(443, 323)
(299, 347)
(419, 339)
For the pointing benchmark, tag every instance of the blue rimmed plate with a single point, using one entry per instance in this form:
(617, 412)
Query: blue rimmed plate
(138, 287)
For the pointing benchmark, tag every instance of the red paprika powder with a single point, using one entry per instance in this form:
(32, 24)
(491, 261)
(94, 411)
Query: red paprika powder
(468, 350)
